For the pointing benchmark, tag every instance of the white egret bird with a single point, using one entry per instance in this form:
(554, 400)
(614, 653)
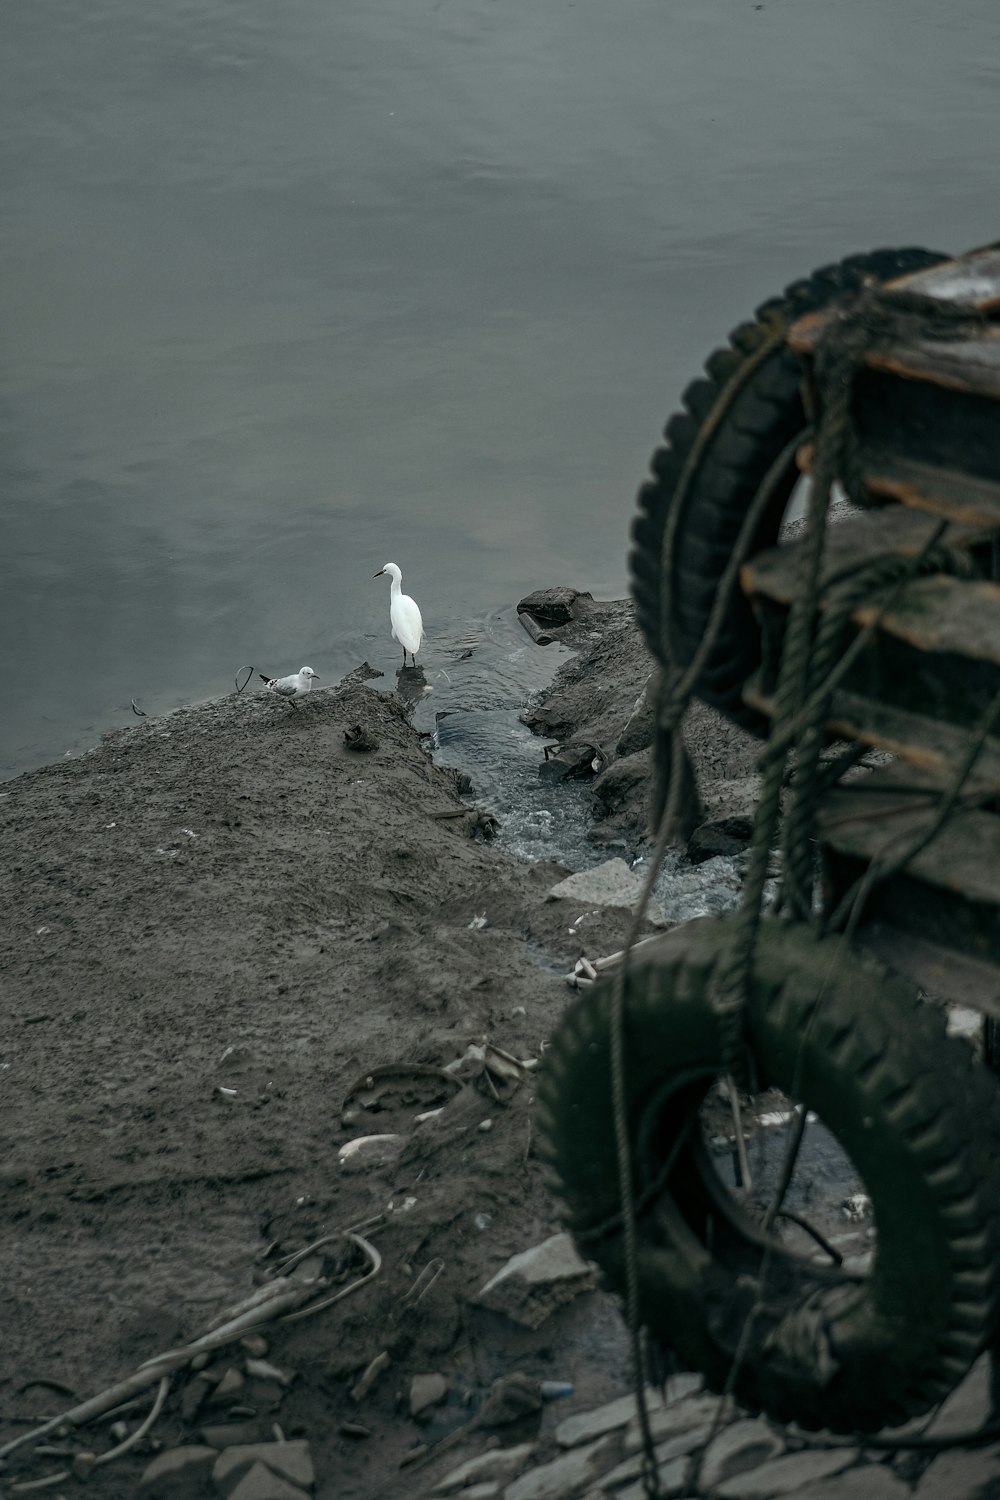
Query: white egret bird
(290, 688)
(404, 615)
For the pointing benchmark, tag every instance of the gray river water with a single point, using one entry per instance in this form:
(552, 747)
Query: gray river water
(290, 290)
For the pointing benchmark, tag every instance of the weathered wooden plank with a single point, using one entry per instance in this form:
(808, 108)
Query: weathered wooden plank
(865, 536)
(971, 365)
(948, 492)
(948, 893)
(970, 280)
(929, 745)
(939, 971)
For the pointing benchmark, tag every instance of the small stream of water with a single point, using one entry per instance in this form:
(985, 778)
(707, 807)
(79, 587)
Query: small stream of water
(478, 683)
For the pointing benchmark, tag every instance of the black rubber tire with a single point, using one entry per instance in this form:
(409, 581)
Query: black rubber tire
(914, 1112)
(764, 417)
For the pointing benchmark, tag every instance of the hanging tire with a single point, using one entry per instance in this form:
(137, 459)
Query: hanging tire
(916, 1115)
(765, 416)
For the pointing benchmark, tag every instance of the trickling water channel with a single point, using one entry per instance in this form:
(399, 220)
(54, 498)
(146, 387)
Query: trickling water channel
(477, 683)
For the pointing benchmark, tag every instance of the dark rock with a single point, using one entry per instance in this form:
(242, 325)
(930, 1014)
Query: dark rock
(577, 761)
(360, 737)
(721, 836)
(553, 606)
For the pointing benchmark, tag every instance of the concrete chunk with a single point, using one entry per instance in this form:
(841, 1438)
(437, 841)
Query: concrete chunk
(866, 1482)
(566, 1475)
(179, 1471)
(742, 1446)
(259, 1483)
(675, 1418)
(584, 1425)
(675, 1447)
(609, 884)
(290, 1460)
(955, 1474)
(537, 1281)
(425, 1391)
(496, 1463)
(673, 1478)
(787, 1475)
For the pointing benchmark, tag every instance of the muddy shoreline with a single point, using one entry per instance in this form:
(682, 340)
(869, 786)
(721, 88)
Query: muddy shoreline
(218, 922)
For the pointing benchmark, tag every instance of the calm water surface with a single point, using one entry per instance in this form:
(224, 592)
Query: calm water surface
(291, 290)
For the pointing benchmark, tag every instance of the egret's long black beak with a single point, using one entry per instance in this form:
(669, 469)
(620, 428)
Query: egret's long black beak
(379, 573)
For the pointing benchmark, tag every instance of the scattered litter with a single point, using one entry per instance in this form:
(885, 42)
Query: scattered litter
(478, 922)
(483, 1221)
(552, 1390)
(373, 1148)
(422, 1285)
(261, 1369)
(398, 1086)
(485, 1125)
(857, 1206)
(226, 1093)
(377, 1367)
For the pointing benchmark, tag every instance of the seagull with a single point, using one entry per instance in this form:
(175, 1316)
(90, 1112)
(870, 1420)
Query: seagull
(292, 687)
(404, 615)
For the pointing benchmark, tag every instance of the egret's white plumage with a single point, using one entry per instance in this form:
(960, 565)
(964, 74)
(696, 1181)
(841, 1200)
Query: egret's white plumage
(404, 615)
(295, 686)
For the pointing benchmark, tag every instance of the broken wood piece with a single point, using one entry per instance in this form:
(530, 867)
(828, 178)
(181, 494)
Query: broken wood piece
(535, 629)
(374, 1369)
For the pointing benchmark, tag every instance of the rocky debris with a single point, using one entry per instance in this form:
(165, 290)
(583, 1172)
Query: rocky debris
(556, 606)
(228, 1434)
(868, 1482)
(609, 884)
(677, 1417)
(585, 1425)
(262, 1369)
(178, 1472)
(511, 1397)
(728, 835)
(666, 1456)
(495, 1465)
(954, 1475)
(225, 1390)
(744, 1445)
(566, 1475)
(361, 737)
(261, 1483)
(290, 1461)
(577, 760)
(426, 1391)
(194, 1395)
(537, 1281)
(787, 1475)
(971, 1405)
